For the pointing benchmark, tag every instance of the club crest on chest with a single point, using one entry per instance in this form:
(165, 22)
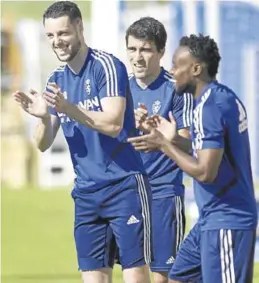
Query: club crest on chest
(156, 106)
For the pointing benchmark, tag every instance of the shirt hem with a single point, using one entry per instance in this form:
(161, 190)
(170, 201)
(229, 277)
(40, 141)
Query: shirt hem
(228, 227)
(167, 195)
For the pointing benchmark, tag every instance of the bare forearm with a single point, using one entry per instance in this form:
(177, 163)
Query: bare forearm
(187, 163)
(99, 121)
(43, 135)
(183, 143)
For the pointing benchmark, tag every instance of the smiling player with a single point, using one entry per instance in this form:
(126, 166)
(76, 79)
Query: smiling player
(89, 97)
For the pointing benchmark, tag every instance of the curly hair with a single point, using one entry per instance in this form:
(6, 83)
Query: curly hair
(148, 28)
(62, 8)
(205, 49)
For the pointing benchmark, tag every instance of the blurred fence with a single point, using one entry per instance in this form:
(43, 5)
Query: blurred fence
(233, 25)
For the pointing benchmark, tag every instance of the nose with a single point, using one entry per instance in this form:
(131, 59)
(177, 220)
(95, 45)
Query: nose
(56, 41)
(172, 72)
(138, 56)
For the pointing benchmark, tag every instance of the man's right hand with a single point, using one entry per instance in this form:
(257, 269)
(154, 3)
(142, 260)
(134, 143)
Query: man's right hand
(141, 115)
(167, 128)
(33, 103)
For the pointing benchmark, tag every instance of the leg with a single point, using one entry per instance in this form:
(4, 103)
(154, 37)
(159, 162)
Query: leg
(168, 225)
(228, 256)
(160, 276)
(243, 262)
(129, 212)
(139, 274)
(187, 265)
(102, 275)
(94, 240)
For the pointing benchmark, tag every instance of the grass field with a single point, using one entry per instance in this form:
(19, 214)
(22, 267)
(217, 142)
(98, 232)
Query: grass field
(37, 226)
(37, 238)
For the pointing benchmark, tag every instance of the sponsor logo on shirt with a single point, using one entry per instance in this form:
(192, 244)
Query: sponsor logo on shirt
(88, 86)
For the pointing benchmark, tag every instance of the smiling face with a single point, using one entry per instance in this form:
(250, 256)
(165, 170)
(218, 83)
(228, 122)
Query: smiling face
(64, 36)
(143, 57)
(185, 70)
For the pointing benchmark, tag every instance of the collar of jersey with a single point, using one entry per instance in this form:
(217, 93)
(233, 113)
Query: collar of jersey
(205, 89)
(154, 82)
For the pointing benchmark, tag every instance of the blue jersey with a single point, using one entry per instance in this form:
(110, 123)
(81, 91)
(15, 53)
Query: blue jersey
(165, 177)
(98, 160)
(220, 121)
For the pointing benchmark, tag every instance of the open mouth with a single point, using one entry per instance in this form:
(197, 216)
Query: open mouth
(139, 67)
(62, 50)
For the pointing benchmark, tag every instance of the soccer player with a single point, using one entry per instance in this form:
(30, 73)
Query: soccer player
(220, 247)
(153, 92)
(89, 97)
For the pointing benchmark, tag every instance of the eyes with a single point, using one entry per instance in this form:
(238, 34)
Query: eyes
(141, 50)
(61, 33)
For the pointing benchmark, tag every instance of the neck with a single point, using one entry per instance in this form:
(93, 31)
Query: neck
(77, 62)
(201, 85)
(146, 81)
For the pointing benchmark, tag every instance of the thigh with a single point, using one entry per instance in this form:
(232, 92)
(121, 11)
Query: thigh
(168, 225)
(94, 239)
(187, 265)
(228, 256)
(244, 249)
(130, 218)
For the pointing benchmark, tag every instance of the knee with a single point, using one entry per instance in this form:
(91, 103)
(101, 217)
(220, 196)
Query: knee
(165, 280)
(137, 279)
(160, 277)
(136, 275)
(102, 275)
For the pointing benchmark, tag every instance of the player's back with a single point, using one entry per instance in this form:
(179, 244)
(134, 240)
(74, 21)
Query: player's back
(165, 177)
(98, 159)
(220, 121)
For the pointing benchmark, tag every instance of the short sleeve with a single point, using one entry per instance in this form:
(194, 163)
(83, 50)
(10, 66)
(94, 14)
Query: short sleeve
(208, 124)
(112, 77)
(51, 79)
(182, 110)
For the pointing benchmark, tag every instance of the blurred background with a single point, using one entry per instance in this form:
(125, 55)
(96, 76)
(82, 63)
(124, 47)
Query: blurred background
(37, 211)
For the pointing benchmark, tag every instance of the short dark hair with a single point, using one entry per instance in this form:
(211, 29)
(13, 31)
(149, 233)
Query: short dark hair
(62, 8)
(205, 49)
(148, 28)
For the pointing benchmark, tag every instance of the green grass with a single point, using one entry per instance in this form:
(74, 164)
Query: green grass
(37, 226)
(37, 238)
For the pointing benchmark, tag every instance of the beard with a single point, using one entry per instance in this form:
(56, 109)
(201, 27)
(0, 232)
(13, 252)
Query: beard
(187, 88)
(70, 56)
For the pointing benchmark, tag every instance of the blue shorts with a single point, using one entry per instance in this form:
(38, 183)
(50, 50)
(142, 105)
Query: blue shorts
(168, 226)
(215, 256)
(116, 215)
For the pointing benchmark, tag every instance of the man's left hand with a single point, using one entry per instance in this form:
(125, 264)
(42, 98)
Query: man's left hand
(155, 140)
(55, 98)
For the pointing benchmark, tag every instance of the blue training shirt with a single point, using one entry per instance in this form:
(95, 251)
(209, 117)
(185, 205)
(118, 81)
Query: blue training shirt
(98, 160)
(165, 177)
(220, 121)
